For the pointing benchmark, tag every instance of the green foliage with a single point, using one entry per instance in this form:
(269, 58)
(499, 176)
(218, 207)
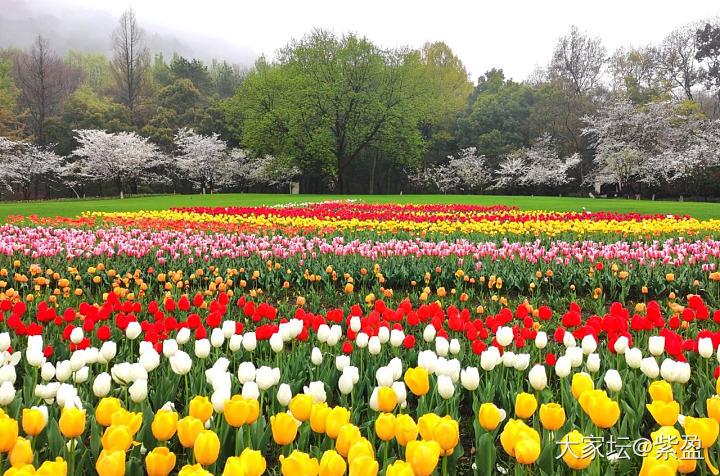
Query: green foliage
(194, 70)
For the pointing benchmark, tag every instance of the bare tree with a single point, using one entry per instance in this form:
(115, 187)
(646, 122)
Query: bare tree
(128, 62)
(677, 60)
(578, 61)
(44, 82)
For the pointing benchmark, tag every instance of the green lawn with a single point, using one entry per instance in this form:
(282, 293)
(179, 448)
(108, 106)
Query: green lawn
(71, 208)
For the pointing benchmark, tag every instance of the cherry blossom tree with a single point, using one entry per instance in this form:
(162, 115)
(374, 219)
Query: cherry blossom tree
(471, 169)
(263, 170)
(511, 171)
(25, 165)
(204, 159)
(124, 158)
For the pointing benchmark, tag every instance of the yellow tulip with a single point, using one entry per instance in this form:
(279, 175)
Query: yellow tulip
(423, 456)
(587, 397)
(364, 466)
(53, 468)
(400, 468)
(706, 429)
(527, 451)
(417, 380)
(284, 428)
(8, 433)
(253, 411)
(105, 409)
(111, 463)
(572, 451)
(604, 411)
(385, 426)
(206, 448)
(254, 462)
(194, 470)
(33, 421)
(164, 424)
(347, 436)
(117, 437)
(489, 416)
(406, 429)
(581, 383)
(387, 399)
(661, 390)
(188, 429)
(713, 408)
(336, 418)
(361, 447)
(299, 464)
(664, 413)
(301, 406)
(234, 466)
(24, 470)
(160, 461)
(72, 422)
(513, 440)
(21, 453)
(319, 416)
(236, 411)
(132, 420)
(426, 425)
(332, 464)
(552, 416)
(447, 434)
(525, 405)
(201, 408)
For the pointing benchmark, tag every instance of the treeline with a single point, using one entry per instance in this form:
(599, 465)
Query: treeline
(343, 114)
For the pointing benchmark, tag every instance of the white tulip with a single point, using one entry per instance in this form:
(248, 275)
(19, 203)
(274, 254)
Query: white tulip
(202, 348)
(246, 372)
(562, 366)
(504, 335)
(317, 390)
(621, 344)
(374, 346)
(138, 391)
(541, 340)
(373, 403)
(48, 371)
(8, 374)
(217, 338)
(656, 345)
(384, 335)
(613, 381)
(445, 387)
(144, 347)
(228, 329)
(429, 333)
(508, 359)
(219, 397)
(284, 395)
(396, 366)
(249, 341)
(355, 324)
(353, 372)
(384, 377)
(133, 330)
(336, 335)
(569, 340)
(362, 340)
(593, 362)
(77, 360)
(427, 359)
(180, 363)
(35, 357)
(490, 358)
(4, 341)
(236, 341)
(91, 355)
(400, 392)
(705, 347)
(264, 378)
(316, 356)
(108, 351)
(323, 333)
(522, 362)
(65, 394)
(276, 343)
(81, 375)
(538, 377)
(250, 390)
(183, 336)
(7, 393)
(345, 383)
(454, 346)
(76, 335)
(649, 367)
(684, 372)
(470, 378)
(633, 357)
(442, 346)
(396, 337)
(342, 361)
(150, 360)
(63, 371)
(589, 344)
(575, 354)
(170, 347)
(668, 371)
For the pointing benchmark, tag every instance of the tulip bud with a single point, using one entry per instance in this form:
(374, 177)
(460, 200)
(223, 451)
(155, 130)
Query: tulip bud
(202, 348)
(445, 387)
(384, 334)
(593, 362)
(345, 383)
(170, 347)
(538, 377)
(133, 330)
(649, 367)
(705, 347)
(101, 385)
(442, 346)
(541, 340)
(470, 378)
(316, 356)
(228, 329)
(621, 344)
(396, 337)
(323, 333)
(562, 366)
(249, 341)
(504, 336)
(613, 380)
(183, 336)
(355, 324)
(589, 344)
(235, 342)
(633, 357)
(362, 340)
(656, 345)
(217, 338)
(76, 335)
(374, 346)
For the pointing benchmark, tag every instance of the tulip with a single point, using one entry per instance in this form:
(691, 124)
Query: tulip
(160, 461)
(706, 430)
(105, 409)
(284, 428)
(562, 366)
(649, 367)
(299, 464)
(359, 449)
(164, 424)
(34, 420)
(405, 429)
(593, 362)
(117, 438)
(665, 413)
(423, 456)
(489, 416)
(661, 390)
(520, 441)
(188, 429)
(347, 436)
(207, 447)
(336, 418)
(400, 468)
(193, 470)
(470, 378)
(363, 466)
(254, 461)
(713, 408)
(301, 406)
(284, 395)
(538, 378)
(447, 434)
(552, 416)
(603, 411)
(445, 387)
(101, 384)
(236, 411)
(130, 419)
(318, 417)
(53, 468)
(387, 399)
(21, 453)
(385, 426)
(656, 345)
(613, 380)
(572, 451)
(72, 422)
(581, 382)
(201, 408)
(8, 433)
(111, 463)
(417, 381)
(525, 405)
(332, 464)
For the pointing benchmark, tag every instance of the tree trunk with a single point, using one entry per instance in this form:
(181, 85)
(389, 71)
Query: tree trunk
(371, 190)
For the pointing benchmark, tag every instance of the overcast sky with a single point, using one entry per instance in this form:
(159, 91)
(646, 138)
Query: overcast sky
(515, 35)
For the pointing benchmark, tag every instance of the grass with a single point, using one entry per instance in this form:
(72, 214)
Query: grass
(72, 208)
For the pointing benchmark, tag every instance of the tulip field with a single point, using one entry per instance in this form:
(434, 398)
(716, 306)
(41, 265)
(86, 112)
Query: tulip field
(344, 337)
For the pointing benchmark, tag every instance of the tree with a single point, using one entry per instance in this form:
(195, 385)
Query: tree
(124, 158)
(130, 59)
(330, 103)
(511, 171)
(95, 70)
(45, 82)
(677, 62)
(202, 158)
(194, 70)
(11, 118)
(708, 54)
(635, 74)
(225, 78)
(27, 165)
(577, 62)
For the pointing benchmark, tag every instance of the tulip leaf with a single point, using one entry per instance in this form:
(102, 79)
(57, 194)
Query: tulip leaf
(95, 438)
(485, 455)
(545, 461)
(55, 439)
